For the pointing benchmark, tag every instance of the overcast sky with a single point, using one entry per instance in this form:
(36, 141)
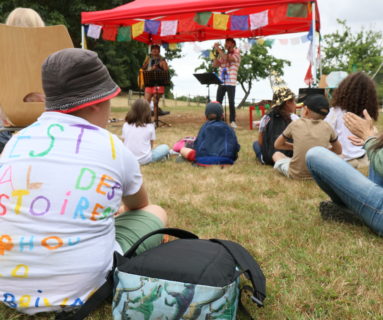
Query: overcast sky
(367, 14)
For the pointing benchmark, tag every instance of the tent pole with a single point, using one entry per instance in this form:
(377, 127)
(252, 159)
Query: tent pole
(313, 44)
(82, 37)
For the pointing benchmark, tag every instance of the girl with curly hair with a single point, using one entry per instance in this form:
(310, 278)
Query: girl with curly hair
(354, 94)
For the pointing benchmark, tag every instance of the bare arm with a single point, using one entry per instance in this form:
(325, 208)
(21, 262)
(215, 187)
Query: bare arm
(136, 201)
(336, 147)
(282, 144)
(260, 138)
(164, 65)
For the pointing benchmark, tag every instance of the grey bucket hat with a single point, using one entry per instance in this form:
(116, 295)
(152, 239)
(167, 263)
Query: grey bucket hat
(74, 79)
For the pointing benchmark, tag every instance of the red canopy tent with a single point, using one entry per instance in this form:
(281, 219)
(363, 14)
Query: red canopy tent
(283, 16)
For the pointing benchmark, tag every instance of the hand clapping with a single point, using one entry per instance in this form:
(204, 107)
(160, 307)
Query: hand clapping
(361, 128)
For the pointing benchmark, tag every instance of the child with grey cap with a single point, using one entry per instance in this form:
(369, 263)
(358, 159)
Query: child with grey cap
(61, 224)
(216, 142)
(307, 132)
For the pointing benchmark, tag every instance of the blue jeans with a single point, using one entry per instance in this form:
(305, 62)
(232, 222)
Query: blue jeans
(258, 151)
(347, 187)
(222, 89)
(160, 152)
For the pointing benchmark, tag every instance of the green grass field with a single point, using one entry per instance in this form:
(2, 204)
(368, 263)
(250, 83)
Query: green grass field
(314, 269)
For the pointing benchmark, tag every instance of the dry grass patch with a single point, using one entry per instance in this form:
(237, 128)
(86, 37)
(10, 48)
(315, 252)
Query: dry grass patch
(314, 269)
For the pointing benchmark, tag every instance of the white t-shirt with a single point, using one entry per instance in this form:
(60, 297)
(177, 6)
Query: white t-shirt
(138, 140)
(61, 181)
(349, 151)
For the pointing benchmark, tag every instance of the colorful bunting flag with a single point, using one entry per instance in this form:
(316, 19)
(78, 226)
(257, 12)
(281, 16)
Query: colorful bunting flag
(297, 10)
(172, 46)
(304, 39)
(269, 42)
(138, 29)
(169, 28)
(124, 34)
(239, 23)
(202, 18)
(259, 20)
(109, 32)
(94, 31)
(295, 41)
(196, 48)
(284, 41)
(205, 53)
(220, 21)
(261, 41)
(152, 26)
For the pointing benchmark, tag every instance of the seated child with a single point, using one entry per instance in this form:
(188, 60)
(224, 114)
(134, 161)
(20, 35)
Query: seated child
(138, 134)
(355, 93)
(273, 123)
(216, 142)
(307, 132)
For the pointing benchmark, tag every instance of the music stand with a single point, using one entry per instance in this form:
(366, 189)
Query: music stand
(208, 78)
(156, 78)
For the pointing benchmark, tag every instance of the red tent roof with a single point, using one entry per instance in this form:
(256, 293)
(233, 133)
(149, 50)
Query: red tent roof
(284, 16)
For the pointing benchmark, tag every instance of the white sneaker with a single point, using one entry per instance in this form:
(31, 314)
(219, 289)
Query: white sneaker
(233, 125)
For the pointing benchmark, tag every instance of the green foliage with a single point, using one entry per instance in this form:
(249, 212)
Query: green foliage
(349, 51)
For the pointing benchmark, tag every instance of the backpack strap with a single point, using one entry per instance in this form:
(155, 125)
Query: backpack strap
(179, 233)
(249, 267)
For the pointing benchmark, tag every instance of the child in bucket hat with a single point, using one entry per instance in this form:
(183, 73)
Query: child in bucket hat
(74, 79)
(308, 132)
(216, 143)
(273, 123)
(86, 175)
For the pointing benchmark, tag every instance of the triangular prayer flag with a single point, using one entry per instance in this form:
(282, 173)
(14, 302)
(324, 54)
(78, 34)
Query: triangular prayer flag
(138, 29)
(205, 53)
(259, 20)
(261, 41)
(109, 32)
(124, 34)
(94, 31)
(284, 41)
(220, 21)
(239, 23)
(295, 40)
(202, 18)
(269, 43)
(152, 26)
(172, 46)
(165, 45)
(169, 28)
(304, 39)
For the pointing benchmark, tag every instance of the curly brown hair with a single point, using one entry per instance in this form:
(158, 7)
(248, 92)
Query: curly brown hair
(355, 93)
(139, 114)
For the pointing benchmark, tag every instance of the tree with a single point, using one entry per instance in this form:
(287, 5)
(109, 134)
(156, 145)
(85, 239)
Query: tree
(256, 64)
(348, 51)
